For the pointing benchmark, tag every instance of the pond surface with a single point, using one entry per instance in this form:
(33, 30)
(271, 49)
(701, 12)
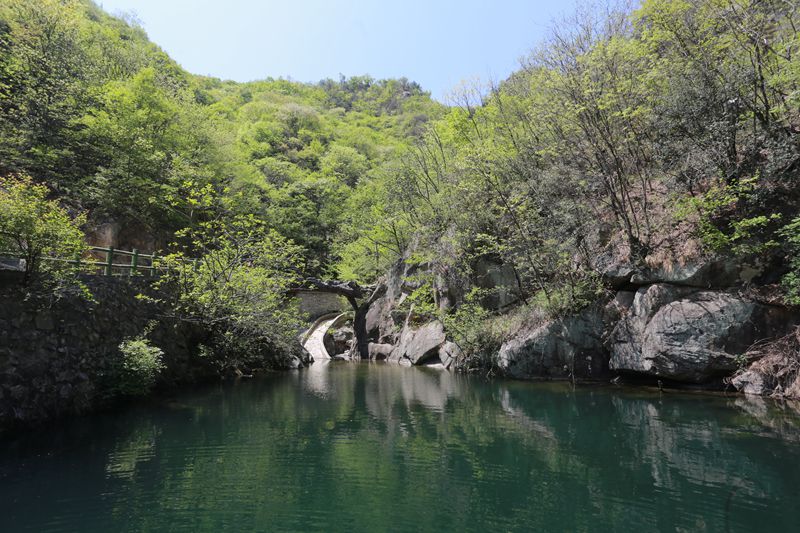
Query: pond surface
(374, 447)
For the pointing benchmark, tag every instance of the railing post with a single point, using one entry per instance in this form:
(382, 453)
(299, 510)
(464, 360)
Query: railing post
(153, 264)
(134, 262)
(109, 262)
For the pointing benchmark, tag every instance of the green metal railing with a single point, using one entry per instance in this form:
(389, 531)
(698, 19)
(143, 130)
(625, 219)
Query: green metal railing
(108, 262)
(131, 269)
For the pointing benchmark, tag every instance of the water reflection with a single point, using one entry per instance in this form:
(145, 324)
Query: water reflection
(368, 447)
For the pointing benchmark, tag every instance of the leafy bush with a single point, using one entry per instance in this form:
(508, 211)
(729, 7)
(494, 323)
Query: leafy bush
(723, 225)
(40, 231)
(791, 281)
(238, 289)
(471, 327)
(139, 368)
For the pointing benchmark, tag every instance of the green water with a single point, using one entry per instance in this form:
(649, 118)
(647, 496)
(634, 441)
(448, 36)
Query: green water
(372, 447)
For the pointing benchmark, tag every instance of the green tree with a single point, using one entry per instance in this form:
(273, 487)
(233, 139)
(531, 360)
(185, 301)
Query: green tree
(234, 279)
(42, 233)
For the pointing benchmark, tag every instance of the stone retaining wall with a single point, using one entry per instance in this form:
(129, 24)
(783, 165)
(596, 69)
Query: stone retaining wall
(56, 356)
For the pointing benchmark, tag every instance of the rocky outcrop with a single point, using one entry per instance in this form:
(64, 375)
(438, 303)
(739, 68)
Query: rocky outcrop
(711, 273)
(569, 347)
(671, 320)
(449, 354)
(419, 345)
(500, 281)
(688, 335)
(706, 273)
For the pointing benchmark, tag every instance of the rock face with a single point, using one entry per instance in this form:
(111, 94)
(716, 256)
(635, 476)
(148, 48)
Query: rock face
(719, 273)
(449, 354)
(775, 370)
(500, 280)
(571, 346)
(419, 345)
(687, 335)
(685, 323)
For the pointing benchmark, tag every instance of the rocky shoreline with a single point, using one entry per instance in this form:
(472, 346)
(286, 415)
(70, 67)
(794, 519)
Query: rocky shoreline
(687, 326)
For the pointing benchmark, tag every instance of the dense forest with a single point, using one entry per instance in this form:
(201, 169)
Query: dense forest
(118, 130)
(668, 129)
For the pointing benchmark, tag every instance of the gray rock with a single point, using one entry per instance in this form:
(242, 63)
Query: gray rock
(379, 351)
(751, 382)
(688, 335)
(449, 354)
(615, 272)
(571, 346)
(774, 374)
(375, 318)
(342, 339)
(709, 273)
(419, 345)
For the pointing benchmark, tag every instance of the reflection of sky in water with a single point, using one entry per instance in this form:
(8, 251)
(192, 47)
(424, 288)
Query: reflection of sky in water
(375, 447)
(317, 378)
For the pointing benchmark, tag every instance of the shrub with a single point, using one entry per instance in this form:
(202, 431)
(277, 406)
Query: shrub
(476, 332)
(139, 367)
(791, 281)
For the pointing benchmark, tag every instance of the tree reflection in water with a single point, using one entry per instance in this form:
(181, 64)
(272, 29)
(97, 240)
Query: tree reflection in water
(361, 447)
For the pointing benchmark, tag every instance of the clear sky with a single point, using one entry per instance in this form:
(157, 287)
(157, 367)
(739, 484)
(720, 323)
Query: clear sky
(437, 43)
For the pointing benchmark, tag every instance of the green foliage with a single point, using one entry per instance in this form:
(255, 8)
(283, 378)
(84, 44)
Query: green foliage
(39, 230)
(476, 333)
(721, 225)
(233, 277)
(570, 297)
(791, 281)
(576, 162)
(139, 368)
(91, 107)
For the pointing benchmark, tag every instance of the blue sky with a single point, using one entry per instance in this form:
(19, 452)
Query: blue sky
(437, 43)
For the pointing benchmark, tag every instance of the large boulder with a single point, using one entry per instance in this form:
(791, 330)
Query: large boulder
(568, 347)
(419, 345)
(379, 351)
(449, 354)
(688, 335)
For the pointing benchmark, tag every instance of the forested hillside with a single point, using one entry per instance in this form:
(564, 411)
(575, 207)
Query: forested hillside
(636, 143)
(667, 132)
(116, 129)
